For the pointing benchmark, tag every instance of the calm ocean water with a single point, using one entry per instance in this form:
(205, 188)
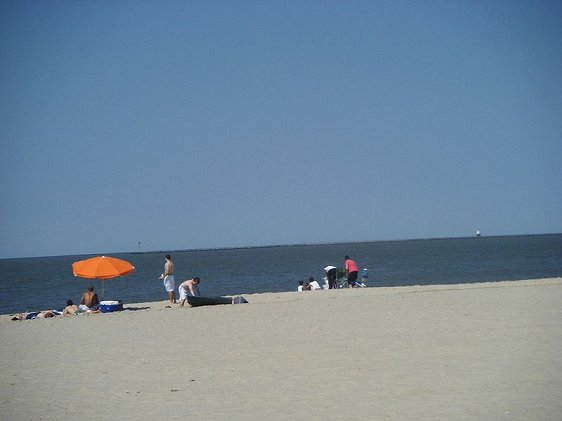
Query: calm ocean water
(33, 284)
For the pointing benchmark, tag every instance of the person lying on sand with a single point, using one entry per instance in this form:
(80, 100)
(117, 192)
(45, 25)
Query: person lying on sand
(36, 315)
(71, 309)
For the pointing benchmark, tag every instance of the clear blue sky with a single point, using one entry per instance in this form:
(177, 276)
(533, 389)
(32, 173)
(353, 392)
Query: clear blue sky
(194, 124)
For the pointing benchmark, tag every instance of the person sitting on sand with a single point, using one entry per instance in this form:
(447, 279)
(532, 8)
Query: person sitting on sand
(71, 309)
(300, 288)
(188, 287)
(312, 284)
(89, 300)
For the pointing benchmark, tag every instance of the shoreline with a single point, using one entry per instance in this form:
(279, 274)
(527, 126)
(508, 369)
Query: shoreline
(462, 352)
(264, 296)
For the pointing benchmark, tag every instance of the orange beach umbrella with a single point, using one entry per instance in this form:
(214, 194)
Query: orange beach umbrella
(102, 267)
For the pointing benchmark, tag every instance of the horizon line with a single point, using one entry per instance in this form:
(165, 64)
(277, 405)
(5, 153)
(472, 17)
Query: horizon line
(288, 245)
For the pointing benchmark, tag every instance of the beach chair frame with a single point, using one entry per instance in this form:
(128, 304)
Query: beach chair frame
(343, 283)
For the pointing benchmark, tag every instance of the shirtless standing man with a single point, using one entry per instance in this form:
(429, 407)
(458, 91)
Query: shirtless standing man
(189, 287)
(168, 277)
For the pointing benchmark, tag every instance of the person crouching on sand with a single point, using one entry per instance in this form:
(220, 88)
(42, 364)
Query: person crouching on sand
(188, 287)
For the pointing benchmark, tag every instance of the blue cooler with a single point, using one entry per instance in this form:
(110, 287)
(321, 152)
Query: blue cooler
(111, 306)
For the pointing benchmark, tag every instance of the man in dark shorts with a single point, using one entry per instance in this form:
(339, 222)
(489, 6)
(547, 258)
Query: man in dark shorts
(331, 274)
(352, 271)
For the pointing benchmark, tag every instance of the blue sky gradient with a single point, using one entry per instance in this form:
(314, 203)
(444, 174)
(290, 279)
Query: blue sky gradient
(187, 124)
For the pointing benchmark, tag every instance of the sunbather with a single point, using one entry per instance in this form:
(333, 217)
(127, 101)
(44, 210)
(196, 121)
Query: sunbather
(36, 315)
(71, 309)
(89, 300)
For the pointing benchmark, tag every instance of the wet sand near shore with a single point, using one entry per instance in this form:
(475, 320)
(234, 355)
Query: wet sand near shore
(448, 352)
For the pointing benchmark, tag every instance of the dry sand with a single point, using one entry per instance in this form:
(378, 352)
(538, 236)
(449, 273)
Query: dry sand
(487, 351)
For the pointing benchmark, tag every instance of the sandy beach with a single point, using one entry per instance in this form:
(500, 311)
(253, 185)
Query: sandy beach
(490, 351)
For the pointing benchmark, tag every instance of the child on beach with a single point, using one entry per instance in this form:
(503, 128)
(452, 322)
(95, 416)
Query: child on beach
(312, 284)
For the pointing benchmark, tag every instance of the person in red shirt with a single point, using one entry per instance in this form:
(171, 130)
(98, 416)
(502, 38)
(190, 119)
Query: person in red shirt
(352, 271)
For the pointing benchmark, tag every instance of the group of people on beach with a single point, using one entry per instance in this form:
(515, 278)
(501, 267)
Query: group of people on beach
(89, 303)
(189, 287)
(330, 280)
